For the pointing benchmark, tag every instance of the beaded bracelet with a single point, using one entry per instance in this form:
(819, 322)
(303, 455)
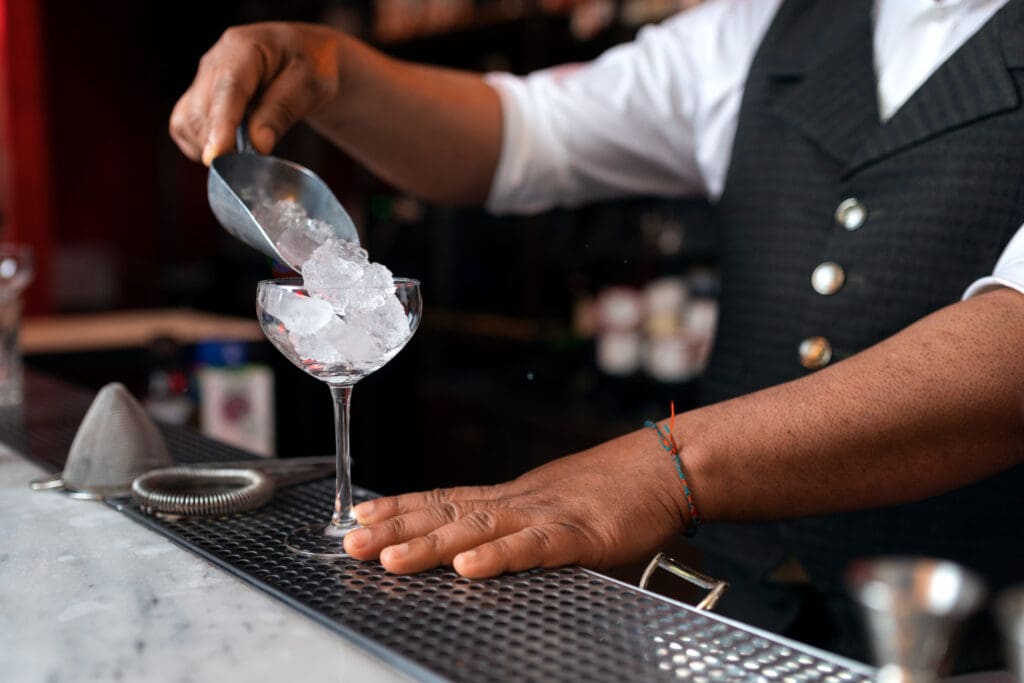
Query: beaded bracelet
(668, 442)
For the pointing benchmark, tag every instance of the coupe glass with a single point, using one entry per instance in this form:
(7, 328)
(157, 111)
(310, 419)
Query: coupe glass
(339, 351)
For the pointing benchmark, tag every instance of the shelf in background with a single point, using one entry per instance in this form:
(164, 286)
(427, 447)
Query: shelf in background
(130, 329)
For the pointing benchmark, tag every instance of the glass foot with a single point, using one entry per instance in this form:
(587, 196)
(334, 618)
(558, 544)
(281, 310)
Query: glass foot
(320, 541)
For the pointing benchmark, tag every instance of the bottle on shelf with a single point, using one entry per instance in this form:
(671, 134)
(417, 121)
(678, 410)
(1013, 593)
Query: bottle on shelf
(167, 398)
(236, 396)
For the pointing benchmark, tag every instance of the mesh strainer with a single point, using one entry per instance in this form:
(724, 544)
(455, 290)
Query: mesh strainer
(116, 442)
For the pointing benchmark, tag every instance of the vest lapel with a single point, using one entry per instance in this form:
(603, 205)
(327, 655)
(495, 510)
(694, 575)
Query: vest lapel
(830, 97)
(972, 84)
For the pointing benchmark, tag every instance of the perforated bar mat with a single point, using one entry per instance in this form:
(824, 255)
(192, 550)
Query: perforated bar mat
(565, 624)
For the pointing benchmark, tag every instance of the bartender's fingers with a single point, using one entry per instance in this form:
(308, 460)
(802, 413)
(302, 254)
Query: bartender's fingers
(204, 120)
(230, 96)
(470, 529)
(208, 113)
(549, 545)
(373, 511)
(187, 127)
(297, 90)
(236, 68)
(435, 534)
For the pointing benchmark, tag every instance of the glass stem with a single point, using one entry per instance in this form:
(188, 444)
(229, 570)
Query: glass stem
(343, 516)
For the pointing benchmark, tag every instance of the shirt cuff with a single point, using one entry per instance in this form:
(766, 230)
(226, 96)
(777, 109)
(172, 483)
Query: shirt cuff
(530, 167)
(987, 284)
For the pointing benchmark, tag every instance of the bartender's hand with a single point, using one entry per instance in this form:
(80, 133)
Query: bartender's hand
(609, 505)
(435, 133)
(285, 70)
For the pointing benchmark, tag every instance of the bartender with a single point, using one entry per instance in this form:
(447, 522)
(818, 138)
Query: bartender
(866, 388)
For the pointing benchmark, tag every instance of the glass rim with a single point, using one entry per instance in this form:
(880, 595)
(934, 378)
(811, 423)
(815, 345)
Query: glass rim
(299, 282)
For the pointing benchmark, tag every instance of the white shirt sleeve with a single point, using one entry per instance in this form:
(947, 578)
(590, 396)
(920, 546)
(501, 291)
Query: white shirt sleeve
(1009, 270)
(655, 116)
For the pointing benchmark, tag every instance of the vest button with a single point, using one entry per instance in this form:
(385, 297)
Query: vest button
(851, 214)
(815, 353)
(828, 278)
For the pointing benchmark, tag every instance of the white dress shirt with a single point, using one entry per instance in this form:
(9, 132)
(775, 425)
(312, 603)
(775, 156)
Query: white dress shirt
(657, 116)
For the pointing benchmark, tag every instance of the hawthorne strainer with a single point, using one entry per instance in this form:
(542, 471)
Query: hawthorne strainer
(221, 489)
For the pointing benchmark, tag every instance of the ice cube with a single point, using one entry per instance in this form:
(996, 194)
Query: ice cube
(295, 234)
(333, 284)
(319, 231)
(316, 348)
(366, 299)
(298, 313)
(388, 323)
(322, 271)
(337, 272)
(294, 245)
(343, 249)
(377, 287)
(378, 275)
(277, 216)
(342, 342)
(355, 344)
(392, 323)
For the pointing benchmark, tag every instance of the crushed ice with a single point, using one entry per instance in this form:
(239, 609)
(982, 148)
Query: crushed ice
(351, 316)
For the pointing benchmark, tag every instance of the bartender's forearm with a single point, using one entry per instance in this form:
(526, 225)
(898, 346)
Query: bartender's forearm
(433, 132)
(932, 408)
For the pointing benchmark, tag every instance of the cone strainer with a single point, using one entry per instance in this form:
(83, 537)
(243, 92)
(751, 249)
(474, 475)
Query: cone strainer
(116, 442)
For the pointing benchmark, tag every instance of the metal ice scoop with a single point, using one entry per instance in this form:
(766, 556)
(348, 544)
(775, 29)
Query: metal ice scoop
(241, 183)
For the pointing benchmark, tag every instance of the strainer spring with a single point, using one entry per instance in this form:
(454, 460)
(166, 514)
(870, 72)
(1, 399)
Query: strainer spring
(201, 491)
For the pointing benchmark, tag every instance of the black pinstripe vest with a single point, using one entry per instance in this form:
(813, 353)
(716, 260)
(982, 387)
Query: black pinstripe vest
(943, 185)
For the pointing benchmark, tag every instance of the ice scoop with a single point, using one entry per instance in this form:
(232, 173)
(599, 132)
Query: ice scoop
(241, 182)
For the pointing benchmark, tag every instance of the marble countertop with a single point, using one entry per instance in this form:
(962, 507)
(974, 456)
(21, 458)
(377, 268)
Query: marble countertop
(86, 594)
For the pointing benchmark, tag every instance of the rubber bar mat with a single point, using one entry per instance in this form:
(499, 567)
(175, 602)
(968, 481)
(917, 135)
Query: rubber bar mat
(565, 624)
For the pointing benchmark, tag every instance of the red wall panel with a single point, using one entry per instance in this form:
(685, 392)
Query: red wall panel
(29, 211)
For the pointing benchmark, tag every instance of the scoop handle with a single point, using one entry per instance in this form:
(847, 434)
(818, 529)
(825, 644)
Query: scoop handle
(242, 141)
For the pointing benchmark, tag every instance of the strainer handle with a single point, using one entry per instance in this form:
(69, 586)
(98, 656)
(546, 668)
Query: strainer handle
(716, 587)
(53, 481)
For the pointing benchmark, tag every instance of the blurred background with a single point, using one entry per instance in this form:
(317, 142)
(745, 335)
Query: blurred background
(541, 335)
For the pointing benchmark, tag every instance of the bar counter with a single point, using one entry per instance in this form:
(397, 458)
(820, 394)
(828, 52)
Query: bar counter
(99, 591)
(86, 594)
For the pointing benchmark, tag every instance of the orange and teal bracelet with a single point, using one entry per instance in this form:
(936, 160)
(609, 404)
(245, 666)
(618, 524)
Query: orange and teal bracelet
(668, 442)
